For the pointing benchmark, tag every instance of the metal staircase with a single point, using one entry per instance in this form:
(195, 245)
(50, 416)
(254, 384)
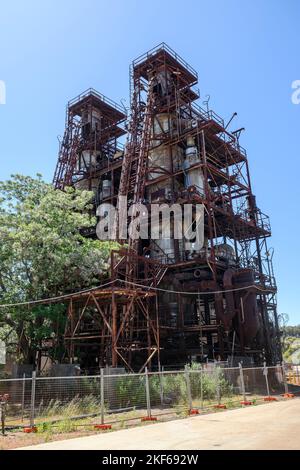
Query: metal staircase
(67, 157)
(133, 176)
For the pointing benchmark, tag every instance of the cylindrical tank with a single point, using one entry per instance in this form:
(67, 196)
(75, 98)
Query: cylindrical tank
(96, 119)
(106, 188)
(161, 123)
(192, 177)
(163, 248)
(163, 83)
(247, 304)
(159, 159)
(161, 162)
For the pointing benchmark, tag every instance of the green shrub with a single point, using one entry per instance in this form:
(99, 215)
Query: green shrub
(130, 391)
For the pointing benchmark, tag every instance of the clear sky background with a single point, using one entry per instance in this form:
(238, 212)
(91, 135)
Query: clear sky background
(246, 54)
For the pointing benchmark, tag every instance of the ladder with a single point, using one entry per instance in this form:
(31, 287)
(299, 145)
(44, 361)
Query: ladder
(67, 157)
(135, 162)
(142, 163)
(133, 175)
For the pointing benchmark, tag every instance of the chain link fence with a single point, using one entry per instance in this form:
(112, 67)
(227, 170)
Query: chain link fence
(108, 398)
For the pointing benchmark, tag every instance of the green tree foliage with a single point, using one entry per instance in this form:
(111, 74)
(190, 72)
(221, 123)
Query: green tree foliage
(290, 338)
(290, 330)
(43, 254)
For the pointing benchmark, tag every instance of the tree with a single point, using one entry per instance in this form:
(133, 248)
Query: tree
(43, 254)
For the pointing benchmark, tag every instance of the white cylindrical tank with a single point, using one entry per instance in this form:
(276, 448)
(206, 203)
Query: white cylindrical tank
(96, 119)
(193, 177)
(164, 250)
(106, 188)
(159, 162)
(162, 123)
(163, 82)
(159, 159)
(163, 161)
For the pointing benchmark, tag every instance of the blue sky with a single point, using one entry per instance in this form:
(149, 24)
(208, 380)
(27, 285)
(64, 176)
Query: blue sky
(246, 54)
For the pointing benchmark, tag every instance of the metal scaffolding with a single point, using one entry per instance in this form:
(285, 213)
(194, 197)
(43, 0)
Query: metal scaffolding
(216, 302)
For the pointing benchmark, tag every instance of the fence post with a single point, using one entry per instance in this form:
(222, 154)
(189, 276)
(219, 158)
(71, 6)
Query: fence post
(286, 387)
(161, 384)
(201, 386)
(102, 394)
(32, 402)
(23, 396)
(242, 382)
(147, 387)
(265, 372)
(102, 426)
(147, 393)
(218, 391)
(188, 387)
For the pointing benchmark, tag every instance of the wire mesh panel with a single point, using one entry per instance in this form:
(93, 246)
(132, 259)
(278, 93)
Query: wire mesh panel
(210, 379)
(276, 380)
(66, 397)
(197, 383)
(214, 386)
(168, 392)
(129, 397)
(125, 393)
(293, 377)
(255, 383)
(18, 404)
(231, 382)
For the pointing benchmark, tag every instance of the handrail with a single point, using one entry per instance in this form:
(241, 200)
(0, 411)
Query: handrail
(97, 94)
(165, 47)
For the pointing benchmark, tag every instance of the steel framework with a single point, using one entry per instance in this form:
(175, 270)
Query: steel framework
(218, 301)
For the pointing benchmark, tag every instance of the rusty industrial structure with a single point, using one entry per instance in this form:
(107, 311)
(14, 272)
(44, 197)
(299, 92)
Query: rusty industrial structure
(166, 302)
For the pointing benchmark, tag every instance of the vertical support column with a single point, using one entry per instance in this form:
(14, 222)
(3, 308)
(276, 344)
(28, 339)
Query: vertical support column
(71, 348)
(148, 333)
(114, 358)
